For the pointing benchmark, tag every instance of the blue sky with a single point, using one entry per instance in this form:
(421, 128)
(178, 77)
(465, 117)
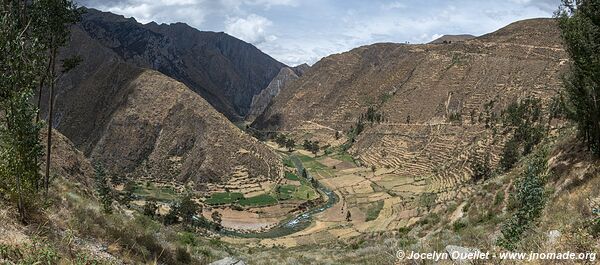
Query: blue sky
(304, 31)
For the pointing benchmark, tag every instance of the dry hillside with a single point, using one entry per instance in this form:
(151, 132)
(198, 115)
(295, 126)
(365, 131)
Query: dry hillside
(435, 99)
(141, 122)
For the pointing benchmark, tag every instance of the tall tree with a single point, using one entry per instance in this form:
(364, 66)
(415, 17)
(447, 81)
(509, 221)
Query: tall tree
(20, 57)
(579, 22)
(53, 19)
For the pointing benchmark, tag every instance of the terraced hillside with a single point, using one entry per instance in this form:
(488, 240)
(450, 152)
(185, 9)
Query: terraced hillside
(439, 103)
(139, 122)
(426, 82)
(440, 106)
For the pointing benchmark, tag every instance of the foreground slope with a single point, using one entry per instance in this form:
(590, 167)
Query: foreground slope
(225, 71)
(141, 122)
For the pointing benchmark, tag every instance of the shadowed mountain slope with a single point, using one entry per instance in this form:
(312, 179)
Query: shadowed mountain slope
(141, 122)
(225, 71)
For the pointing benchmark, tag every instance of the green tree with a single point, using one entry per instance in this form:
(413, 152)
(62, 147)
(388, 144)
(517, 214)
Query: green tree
(482, 169)
(529, 197)
(128, 193)
(20, 148)
(290, 144)
(53, 19)
(172, 216)
(188, 209)
(150, 207)
(103, 189)
(217, 219)
(579, 22)
(510, 154)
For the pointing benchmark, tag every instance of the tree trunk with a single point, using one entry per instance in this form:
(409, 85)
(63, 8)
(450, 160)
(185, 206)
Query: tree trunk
(42, 81)
(50, 119)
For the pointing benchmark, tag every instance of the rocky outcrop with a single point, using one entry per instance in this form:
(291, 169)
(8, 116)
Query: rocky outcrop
(225, 71)
(262, 100)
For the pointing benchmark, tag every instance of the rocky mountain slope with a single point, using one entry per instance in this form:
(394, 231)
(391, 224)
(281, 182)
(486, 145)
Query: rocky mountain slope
(261, 101)
(437, 101)
(138, 121)
(225, 71)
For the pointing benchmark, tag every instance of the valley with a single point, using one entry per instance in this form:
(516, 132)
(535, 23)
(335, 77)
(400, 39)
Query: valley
(166, 144)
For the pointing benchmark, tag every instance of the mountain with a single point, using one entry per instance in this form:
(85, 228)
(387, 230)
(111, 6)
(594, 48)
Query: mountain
(225, 71)
(261, 101)
(139, 122)
(435, 99)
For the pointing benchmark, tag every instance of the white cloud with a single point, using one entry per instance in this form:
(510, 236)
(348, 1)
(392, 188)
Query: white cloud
(393, 5)
(252, 28)
(297, 31)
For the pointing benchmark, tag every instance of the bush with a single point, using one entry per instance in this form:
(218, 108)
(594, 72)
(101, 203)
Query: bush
(510, 154)
(482, 170)
(427, 200)
(530, 198)
(459, 225)
(182, 256)
(150, 208)
(103, 189)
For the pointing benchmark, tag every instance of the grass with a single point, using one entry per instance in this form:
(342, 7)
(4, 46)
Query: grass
(302, 192)
(343, 156)
(288, 163)
(260, 200)
(160, 193)
(224, 198)
(374, 210)
(291, 176)
(314, 166)
(286, 192)
(305, 192)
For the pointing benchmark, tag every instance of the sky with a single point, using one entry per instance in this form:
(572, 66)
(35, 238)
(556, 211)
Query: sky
(304, 31)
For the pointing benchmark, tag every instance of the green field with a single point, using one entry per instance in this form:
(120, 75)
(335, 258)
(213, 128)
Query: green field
(260, 200)
(305, 192)
(311, 163)
(159, 193)
(302, 192)
(286, 192)
(343, 156)
(373, 210)
(224, 198)
(291, 176)
(288, 162)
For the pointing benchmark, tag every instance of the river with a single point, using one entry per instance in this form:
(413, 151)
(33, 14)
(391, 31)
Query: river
(300, 221)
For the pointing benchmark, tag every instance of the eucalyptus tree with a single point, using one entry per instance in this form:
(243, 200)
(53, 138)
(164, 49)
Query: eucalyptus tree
(21, 55)
(580, 25)
(30, 35)
(54, 19)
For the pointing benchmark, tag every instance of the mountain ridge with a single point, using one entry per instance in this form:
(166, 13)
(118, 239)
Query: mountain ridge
(224, 70)
(139, 122)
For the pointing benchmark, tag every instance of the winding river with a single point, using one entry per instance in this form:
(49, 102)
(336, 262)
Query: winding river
(300, 221)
